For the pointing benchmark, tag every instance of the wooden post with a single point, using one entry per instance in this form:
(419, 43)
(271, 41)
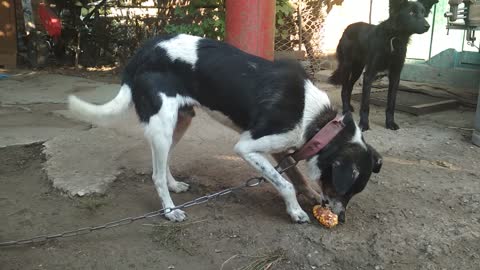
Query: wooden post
(250, 26)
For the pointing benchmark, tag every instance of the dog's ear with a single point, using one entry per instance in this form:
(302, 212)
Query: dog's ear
(428, 4)
(396, 5)
(344, 175)
(377, 159)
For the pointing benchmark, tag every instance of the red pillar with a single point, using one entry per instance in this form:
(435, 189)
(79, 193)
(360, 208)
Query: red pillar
(250, 26)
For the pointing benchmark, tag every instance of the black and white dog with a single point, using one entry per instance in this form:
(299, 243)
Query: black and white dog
(274, 106)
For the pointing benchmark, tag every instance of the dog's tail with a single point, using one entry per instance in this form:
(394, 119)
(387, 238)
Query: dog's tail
(102, 115)
(337, 77)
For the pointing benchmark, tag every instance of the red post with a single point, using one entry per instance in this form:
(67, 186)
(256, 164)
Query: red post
(250, 26)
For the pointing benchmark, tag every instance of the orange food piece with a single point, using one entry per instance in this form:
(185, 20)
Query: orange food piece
(325, 216)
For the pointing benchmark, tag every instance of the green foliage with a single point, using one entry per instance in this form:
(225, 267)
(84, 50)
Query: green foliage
(284, 11)
(201, 18)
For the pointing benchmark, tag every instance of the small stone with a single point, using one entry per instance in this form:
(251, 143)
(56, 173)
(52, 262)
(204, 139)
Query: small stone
(429, 249)
(377, 267)
(81, 193)
(171, 267)
(217, 251)
(377, 216)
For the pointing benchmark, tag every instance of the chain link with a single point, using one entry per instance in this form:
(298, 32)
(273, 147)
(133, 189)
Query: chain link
(282, 166)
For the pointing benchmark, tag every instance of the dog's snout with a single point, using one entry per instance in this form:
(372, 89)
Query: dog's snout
(426, 26)
(341, 217)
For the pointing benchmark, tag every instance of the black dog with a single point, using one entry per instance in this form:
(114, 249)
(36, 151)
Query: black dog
(378, 48)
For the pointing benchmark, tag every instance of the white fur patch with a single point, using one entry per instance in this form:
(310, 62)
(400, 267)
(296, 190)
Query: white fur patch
(185, 101)
(315, 101)
(273, 143)
(182, 47)
(252, 65)
(314, 172)
(252, 151)
(357, 137)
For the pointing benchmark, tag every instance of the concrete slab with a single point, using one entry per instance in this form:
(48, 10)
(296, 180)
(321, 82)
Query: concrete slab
(85, 162)
(26, 124)
(28, 100)
(51, 88)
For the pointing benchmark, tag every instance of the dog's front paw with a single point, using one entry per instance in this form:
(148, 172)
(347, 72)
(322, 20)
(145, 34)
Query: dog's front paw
(364, 126)
(299, 216)
(176, 215)
(178, 186)
(392, 125)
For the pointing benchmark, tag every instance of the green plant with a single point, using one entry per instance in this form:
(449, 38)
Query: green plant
(201, 18)
(283, 12)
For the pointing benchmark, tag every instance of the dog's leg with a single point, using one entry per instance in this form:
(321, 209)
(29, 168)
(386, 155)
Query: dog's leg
(183, 122)
(252, 152)
(347, 88)
(368, 78)
(393, 83)
(159, 131)
(301, 184)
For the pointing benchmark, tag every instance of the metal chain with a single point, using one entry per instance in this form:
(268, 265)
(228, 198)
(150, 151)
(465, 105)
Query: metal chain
(252, 182)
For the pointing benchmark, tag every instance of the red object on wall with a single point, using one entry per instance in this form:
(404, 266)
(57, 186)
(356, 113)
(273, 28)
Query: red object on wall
(50, 21)
(250, 26)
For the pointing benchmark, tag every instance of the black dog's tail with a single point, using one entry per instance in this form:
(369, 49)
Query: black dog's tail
(336, 77)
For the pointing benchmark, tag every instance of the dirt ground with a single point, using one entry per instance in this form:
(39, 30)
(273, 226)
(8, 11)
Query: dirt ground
(421, 212)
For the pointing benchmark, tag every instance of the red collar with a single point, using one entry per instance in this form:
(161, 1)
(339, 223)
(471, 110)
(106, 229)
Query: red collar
(320, 140)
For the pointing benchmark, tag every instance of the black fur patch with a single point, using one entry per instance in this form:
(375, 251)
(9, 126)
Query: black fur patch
(261, 96)
(377, 48)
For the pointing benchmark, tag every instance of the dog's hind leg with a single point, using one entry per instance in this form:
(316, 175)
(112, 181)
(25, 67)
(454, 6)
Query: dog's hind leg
(185, 116)
(159, 131)
(252, 151)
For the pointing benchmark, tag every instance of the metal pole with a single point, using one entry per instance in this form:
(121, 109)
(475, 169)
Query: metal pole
(370, 13)
(433, 29)
(476, 124)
